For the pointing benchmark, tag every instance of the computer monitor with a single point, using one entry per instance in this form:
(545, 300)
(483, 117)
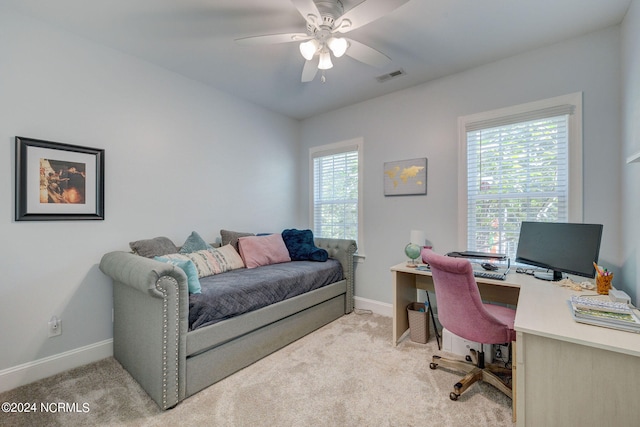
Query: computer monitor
(561, 247)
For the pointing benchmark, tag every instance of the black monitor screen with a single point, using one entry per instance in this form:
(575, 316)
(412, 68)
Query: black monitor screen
(562, 247)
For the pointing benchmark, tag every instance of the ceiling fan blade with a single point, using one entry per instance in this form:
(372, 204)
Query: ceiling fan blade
(273, 39)
(308, 10)
(366, 54)
(365, 12)
(309, 71)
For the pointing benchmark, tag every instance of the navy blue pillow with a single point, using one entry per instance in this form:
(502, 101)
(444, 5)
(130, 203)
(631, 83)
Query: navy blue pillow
(301, 247)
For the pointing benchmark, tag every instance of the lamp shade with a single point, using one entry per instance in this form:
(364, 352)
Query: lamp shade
(338, 46)
(325, 60)
(309, 48)
(417, 237)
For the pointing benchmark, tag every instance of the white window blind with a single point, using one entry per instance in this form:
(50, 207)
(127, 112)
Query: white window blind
(335, 193)
(517, 170)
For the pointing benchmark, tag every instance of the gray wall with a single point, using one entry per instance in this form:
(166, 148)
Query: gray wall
(422, 122)
(631, 145)
(179, 157)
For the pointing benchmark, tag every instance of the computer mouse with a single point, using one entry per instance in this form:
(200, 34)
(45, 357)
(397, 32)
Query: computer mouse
(489, 266)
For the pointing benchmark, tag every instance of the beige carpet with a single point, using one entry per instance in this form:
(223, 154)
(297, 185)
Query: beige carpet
(346, 373)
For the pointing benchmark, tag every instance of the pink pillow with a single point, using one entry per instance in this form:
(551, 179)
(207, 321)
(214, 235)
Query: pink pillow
(263, 250)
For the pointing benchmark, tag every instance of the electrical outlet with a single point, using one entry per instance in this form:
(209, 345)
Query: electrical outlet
(55, 327)
(501, 353)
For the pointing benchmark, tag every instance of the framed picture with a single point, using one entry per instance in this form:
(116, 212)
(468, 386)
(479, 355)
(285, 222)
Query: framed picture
(405, 177)
(57, 181)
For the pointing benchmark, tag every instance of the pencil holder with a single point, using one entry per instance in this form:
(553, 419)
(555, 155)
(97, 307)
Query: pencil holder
(603, 283)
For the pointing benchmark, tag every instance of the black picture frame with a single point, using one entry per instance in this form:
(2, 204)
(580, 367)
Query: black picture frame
(58, 182)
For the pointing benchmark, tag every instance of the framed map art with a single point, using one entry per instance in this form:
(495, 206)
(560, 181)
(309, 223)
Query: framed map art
(57, 181)
(405, 177)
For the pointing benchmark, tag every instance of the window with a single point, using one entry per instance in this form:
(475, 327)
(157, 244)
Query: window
(336, 182)
(520, 164)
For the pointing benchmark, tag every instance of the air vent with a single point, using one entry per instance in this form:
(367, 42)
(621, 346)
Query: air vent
(391, 75)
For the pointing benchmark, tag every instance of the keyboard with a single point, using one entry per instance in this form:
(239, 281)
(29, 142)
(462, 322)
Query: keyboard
(472, 254)
(490, 275)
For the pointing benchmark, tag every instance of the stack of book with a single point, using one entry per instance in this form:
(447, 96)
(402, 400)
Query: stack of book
(600, 312)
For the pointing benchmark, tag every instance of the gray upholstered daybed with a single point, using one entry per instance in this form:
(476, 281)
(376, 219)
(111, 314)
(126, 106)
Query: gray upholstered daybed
(152, 339)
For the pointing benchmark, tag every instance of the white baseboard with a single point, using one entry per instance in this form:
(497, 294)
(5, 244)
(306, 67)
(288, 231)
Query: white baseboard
(26, 373)
(381, 308)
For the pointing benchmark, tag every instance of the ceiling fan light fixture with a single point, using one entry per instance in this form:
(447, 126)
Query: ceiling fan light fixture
(326, 22)
(325, 60)
(309, 48)
(338, 46)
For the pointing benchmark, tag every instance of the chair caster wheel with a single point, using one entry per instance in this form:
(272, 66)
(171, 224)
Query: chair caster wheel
(433, 365)
(453, 396)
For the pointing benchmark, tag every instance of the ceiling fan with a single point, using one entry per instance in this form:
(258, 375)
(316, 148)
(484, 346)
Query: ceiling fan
(326, 21)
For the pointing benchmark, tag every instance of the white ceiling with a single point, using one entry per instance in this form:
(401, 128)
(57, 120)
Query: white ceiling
(426, 38)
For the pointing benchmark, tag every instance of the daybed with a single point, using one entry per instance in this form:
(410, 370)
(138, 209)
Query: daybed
(153, 340)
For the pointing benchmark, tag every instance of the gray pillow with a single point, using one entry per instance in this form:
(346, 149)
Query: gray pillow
(231, 237)
(150, 248)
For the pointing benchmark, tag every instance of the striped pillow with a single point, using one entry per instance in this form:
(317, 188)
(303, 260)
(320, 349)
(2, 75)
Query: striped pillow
(212, 261)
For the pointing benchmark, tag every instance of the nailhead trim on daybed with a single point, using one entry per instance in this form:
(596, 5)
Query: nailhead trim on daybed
(334, 247)
(165, 333)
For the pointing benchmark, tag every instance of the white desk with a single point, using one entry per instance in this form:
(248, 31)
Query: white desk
(567, 373)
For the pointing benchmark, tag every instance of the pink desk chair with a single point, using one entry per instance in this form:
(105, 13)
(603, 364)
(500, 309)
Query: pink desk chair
(463, 313)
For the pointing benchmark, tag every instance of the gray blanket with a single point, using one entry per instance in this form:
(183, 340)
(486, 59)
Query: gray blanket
(241, 291)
